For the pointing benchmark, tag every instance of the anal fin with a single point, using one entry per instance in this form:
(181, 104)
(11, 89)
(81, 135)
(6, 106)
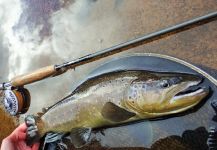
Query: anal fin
(54, 141)
(80, 136)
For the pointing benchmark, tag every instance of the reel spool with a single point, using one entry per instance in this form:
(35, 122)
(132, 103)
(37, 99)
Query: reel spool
(17, 101)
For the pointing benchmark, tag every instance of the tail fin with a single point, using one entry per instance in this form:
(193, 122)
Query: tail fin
(34, 129)
(35, 133)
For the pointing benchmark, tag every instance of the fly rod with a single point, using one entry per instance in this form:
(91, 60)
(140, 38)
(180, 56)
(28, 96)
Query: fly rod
(17, 98)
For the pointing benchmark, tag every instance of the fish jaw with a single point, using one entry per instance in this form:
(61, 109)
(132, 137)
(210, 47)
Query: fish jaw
(187, 95)
(189, 100)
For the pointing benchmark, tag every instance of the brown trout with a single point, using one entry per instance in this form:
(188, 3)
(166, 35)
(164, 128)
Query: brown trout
(120, 97)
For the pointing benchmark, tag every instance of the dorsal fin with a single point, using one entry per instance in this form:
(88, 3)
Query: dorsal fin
(43, 111)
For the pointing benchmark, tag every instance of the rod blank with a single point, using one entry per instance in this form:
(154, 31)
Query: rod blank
(124, 46)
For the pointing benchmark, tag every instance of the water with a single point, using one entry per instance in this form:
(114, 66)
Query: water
(52, 32)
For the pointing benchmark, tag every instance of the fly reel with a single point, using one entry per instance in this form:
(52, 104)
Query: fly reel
(16, 101)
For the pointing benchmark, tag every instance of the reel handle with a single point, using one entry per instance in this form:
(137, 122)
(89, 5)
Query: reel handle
(40, 74)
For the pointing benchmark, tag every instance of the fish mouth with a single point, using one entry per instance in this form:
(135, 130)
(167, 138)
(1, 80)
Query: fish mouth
(191, 91)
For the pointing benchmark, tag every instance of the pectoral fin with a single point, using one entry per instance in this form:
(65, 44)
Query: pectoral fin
(115, 113)
(80, 136)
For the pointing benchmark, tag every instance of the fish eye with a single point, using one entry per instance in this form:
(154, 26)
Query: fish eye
(164, 84)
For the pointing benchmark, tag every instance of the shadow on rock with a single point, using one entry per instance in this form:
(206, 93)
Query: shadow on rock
(190, 140)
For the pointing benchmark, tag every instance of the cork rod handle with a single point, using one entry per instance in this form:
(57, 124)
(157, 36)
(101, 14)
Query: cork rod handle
(34, 76)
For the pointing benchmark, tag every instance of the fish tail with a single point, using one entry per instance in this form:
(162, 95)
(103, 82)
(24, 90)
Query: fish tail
(35, 129)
